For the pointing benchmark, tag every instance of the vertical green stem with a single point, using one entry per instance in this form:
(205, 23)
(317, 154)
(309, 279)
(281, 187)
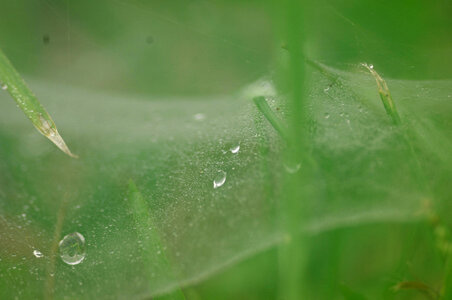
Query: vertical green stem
(293, 254)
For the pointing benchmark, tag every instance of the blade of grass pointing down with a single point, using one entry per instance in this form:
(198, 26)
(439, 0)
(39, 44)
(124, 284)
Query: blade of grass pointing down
(153, 252)
(12, 82)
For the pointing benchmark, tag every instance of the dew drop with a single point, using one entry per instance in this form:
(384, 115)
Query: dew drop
(235, 149)
(292, 168)
(220, 179)
(371, 66)
(37, 253)
(72, 248)
(199, 117)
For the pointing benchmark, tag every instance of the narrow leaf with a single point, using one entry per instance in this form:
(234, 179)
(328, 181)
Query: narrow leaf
(385, 95)
(151, 242)
(270, 115)
(12, 82)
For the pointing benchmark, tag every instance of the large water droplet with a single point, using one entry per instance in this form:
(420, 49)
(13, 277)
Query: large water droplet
(235, 149)
(220, 179)
(72, 248)
(37, 253)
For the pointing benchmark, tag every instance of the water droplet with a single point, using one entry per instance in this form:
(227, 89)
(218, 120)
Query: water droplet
(37, 253)
(327, 115)
(72, 248)
(220, 179)
(235, 149)
(199, 117)
(4, 87)
(292, 168)
(371, 66)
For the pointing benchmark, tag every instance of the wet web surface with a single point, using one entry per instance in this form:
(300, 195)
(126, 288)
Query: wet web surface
(209, 205)
(207, 166)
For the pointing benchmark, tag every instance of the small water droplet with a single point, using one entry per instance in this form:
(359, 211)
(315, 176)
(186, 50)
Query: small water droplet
(220, 179)
(37, 253)
(4, 87)
(235, 149)
(292, 168)
(327, 115)
(199, 117)
(72, 248)
(371, 66)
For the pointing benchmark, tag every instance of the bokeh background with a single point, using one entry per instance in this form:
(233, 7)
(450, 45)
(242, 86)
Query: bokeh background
(213, 47)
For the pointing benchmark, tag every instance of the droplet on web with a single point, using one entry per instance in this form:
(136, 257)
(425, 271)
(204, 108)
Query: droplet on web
(72, 248)
(219, 180)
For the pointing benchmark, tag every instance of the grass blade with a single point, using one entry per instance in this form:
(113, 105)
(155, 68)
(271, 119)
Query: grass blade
(152, 242)
(270, 115)
(385, 95)
(12, 82)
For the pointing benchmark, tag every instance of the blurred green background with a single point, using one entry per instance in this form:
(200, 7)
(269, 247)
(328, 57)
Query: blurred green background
(212, 47)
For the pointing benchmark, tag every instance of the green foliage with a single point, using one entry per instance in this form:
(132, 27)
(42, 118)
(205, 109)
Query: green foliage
(11, 81)
(340, 201)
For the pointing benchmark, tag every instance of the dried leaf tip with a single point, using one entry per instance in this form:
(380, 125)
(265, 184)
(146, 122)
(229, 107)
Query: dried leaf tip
(49, 130)
(385, 95)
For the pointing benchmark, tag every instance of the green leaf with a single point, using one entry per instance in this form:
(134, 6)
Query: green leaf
(11, 81)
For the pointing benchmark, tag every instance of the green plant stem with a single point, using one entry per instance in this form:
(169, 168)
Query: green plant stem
(293, 253)
(11, 81)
